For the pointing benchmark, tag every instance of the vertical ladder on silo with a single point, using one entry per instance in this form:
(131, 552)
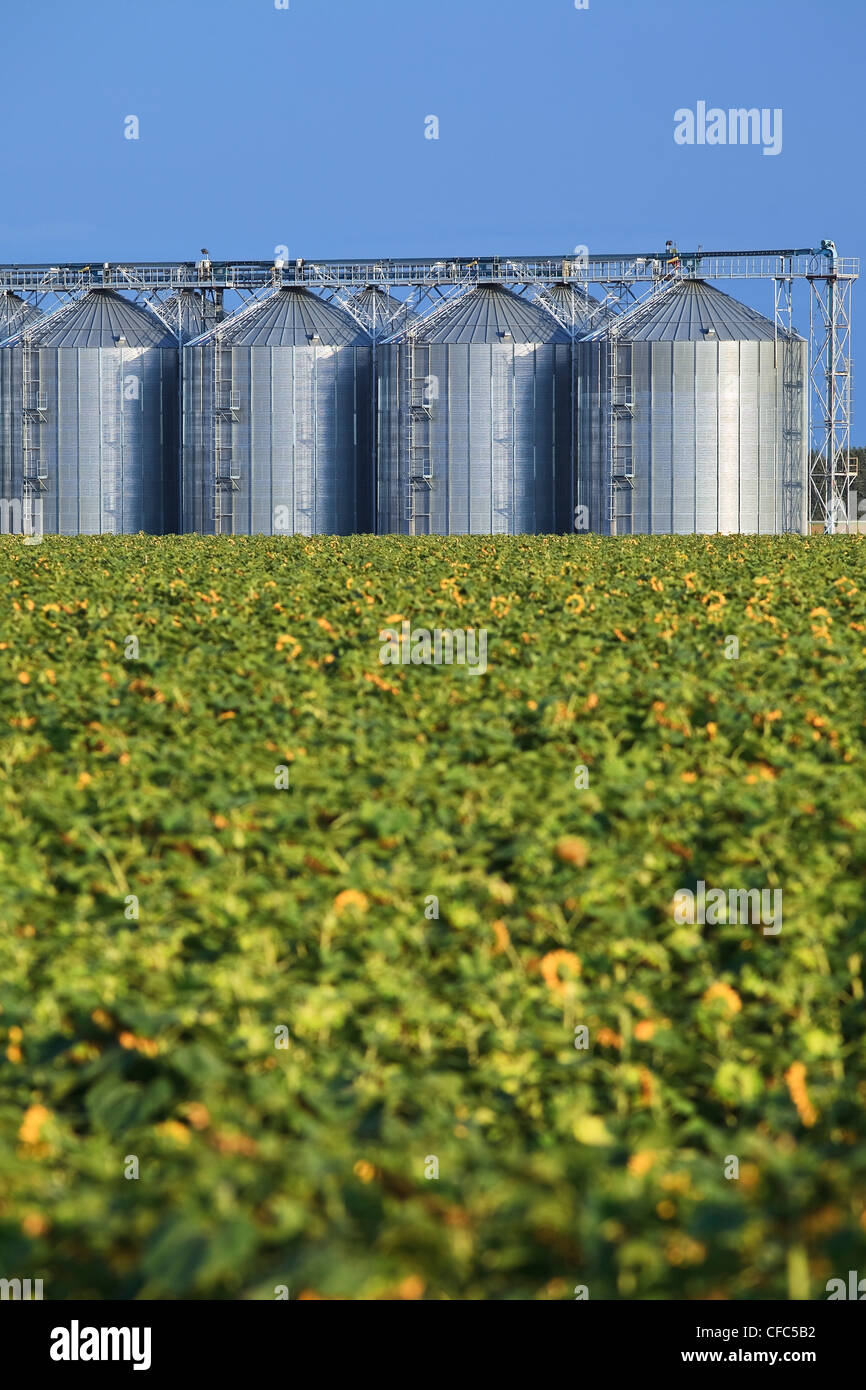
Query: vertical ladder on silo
(419, 502)
(226, 411)
(34, 404)
(620, 421)
(111, 447)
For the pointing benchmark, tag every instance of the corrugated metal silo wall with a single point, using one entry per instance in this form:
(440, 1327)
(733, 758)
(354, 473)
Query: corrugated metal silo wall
(718, 437)
(299, 445)
(108, 439)
(497, 442)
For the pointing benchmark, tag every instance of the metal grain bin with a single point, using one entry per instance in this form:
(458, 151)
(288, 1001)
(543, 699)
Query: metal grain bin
(692, 415)
(15, 313)
(278, 421)
(475, 420)
(95, 432)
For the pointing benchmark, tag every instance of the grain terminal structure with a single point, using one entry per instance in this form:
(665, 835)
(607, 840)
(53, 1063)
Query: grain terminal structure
(618, 394)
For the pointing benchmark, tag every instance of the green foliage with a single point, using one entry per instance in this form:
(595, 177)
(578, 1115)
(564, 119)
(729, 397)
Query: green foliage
(411, 1036)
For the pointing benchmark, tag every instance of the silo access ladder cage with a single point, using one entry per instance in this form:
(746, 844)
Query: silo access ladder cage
(421, 390)
(34, 409)
(226, 412)
(619, 427)
(619, 407)
(419, 507)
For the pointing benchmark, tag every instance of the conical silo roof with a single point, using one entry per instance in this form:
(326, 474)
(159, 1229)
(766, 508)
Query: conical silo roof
(99, 319)
(572, 295)
(385, 310)
(291, 317)
(693, 311)
(14, 314)
(575, 305)
(191, 307)
(375, 298)
(489, 314)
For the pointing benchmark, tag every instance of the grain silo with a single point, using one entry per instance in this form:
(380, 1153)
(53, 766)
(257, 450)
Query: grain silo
(95, 436)
(15, 314)
(692, 413)
(278, 421)
(475, 420)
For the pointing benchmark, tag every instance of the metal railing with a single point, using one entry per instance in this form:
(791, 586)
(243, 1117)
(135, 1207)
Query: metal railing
(250, 275)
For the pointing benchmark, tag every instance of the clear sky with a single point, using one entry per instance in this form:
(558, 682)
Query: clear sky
(305, 127)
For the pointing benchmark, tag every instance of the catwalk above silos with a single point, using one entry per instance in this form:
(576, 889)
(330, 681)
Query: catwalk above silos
(476, 420)
(692, 418)
(94, 417)
(278, 406)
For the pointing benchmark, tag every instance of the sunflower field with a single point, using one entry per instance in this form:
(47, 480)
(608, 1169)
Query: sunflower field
(322, 977)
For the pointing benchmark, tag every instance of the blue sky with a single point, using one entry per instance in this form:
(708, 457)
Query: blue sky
(305, 127)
